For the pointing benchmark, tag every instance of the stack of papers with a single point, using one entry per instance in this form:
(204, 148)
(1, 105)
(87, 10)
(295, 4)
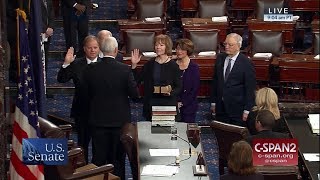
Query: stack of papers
(159, 170)
(313, 121)
(153, 19)
(311, 156)
(220, 19)
(149, 54)
(164, 152)
(263, 55)
(317, 57)
(207, 53)
(295, 18)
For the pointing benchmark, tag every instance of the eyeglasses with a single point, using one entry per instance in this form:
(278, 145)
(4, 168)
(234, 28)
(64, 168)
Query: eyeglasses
(228, 44)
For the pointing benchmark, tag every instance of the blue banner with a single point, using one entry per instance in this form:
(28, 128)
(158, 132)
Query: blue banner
(47, 151)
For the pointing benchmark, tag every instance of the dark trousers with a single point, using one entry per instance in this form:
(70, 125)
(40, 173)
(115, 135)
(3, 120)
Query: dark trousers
(107, 149)
(223, 116)
(46, 52)
(84, 136)
(75, 28)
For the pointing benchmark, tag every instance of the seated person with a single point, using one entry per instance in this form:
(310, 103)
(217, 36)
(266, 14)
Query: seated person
(264, 123)
(267, 99)
(240, 163)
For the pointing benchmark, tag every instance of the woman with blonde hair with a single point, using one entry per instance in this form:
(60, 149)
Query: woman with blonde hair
(266, 99)
(240, 163)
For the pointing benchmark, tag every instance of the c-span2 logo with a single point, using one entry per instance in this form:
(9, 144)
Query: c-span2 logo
(49, 151)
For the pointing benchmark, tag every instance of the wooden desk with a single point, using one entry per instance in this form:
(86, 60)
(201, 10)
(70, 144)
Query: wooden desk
(307, 143)
(304, 5)
(315, 25)
(205, 24)
(287, 29)
(298, 77)
(241, 5)
(261, 66)
(188, 8)
(147, 141)
(240, 10)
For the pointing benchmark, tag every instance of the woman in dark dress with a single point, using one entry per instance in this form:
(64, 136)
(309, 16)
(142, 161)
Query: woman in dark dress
(240, 163)
(160, 71)
(266, 99)
(187, 99)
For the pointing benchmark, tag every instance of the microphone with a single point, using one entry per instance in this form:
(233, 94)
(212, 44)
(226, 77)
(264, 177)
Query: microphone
(158, 125)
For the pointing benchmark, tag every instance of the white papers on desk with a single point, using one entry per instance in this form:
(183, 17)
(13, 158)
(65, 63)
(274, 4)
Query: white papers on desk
(159, 170)
(311, 156)
(149, 54)
(207, 53)
(164, 108)
(316, 57)
(220, 19)
(263, 55)
(295, 17)
(153, 19)
(164, 152)
(313, 121)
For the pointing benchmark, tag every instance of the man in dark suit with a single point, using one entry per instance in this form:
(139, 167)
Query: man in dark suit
(75, 23)
(265, 121)
(105, 34)
(73, 69)
(107, 86)
(234, 83)
(47, 25)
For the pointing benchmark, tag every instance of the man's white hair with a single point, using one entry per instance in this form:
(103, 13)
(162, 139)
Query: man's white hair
(108, 45)
(237, 37)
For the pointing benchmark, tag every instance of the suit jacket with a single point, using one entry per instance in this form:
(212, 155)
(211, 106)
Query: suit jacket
(74, 72)
(280, 124)
(119, 57)
(68, 9)
(238, 92)
(230, 176)
(190, 88)
(106, 86)
(266, 134)
(170, 75)
(47, 15)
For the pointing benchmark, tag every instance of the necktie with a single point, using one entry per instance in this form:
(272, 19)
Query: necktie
(226, 74)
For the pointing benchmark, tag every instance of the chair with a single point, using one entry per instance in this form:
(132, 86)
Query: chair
(316, 41)
(87, 172)
(150, 8)
(266, 42)
(212, 8)
(314, 49)
(279, 172)
(50, 130)
(226, 135)
(142, 40)
(129, 140)
(264, 4)
(204, 40)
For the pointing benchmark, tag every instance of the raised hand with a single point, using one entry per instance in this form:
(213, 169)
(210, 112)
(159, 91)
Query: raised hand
(135, 58)
(69, 58)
